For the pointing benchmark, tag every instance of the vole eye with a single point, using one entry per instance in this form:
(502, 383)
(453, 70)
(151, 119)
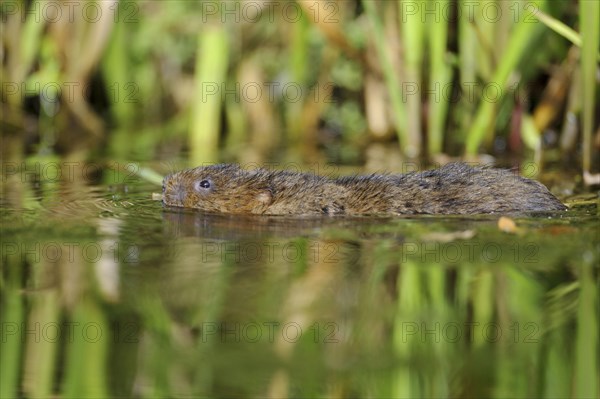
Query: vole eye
(202, 185)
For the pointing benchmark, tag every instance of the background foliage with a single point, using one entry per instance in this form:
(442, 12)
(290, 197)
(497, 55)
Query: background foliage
(321, 80)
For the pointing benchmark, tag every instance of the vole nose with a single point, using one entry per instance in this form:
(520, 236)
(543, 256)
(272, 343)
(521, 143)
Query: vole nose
(174, 193)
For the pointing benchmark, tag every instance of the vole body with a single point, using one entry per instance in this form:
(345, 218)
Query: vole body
(452, 189)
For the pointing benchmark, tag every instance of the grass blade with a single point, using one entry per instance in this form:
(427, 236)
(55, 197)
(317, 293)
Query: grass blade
(211, 67)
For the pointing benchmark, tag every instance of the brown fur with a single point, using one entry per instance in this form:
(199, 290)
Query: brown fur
(453, 189)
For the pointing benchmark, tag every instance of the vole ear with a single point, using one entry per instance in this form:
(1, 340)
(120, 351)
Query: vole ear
(265, 197)
(262, 190)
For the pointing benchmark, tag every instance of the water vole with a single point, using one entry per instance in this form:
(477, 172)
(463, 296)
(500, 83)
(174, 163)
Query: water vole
(453, 189)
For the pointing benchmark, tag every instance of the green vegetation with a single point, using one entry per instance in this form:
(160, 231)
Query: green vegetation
(320, 79)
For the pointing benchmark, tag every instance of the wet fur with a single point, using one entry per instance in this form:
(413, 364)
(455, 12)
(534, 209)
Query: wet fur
(453, 189)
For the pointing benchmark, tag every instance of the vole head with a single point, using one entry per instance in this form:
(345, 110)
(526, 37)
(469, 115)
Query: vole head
(221, 188)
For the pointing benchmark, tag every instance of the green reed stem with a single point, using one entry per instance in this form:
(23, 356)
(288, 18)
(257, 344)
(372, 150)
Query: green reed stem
(116, 68)
(485, 32)
(589, 13)
(486, 113)
(211, 66)
(412, 24)
(467, 61)
(299, 72)
(391, 77)
(562, 29)
(439, 82)
(559, 27)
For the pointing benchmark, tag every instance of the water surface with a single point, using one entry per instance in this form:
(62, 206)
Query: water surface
(107, 293)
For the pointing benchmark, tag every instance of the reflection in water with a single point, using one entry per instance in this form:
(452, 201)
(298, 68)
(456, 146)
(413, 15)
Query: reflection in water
(190, 222)
(125, 297)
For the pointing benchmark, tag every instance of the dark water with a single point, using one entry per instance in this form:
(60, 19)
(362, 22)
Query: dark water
(106, 293)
